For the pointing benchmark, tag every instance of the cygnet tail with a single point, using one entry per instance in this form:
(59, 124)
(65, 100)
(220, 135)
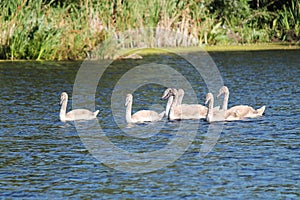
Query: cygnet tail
(162, 114)
(261, 110)
(96, 113)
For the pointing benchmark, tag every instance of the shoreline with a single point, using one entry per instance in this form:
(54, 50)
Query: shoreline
(255, 47)
(281, 46)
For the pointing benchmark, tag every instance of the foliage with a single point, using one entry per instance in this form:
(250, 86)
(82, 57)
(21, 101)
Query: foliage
(72, 29)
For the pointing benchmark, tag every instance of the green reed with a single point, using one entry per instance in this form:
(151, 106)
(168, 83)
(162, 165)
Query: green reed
(289, 21)
(43, 30)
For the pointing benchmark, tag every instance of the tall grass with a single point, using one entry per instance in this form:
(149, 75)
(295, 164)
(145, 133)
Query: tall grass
(45, 30)
(33, 30)
(289, 21)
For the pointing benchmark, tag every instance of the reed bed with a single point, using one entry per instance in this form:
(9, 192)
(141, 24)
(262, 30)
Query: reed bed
(73, 29)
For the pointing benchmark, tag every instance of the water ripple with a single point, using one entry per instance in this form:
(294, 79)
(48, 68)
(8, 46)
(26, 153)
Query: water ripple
(42, 157)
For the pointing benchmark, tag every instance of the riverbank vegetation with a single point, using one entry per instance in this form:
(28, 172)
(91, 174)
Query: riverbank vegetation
(71, 29)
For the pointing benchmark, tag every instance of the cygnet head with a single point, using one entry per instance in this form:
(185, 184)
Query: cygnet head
(169, 92)
(128, 99)
(181, 92)
(222, 90)
(209, 96)
(63, 97)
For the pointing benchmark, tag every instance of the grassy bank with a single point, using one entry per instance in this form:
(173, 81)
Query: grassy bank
(216, 48)
(72, 29)
(255, 47)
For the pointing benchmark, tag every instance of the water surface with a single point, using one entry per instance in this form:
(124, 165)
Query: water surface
(42, 157)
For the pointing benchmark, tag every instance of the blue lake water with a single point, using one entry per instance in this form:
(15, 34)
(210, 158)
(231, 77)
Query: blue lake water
(42, 157)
